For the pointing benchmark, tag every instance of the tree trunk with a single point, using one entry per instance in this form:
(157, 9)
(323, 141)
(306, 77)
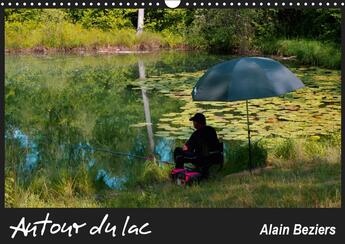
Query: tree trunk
(140, 26)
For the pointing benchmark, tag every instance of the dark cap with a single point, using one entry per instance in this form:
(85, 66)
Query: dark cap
(198, 117)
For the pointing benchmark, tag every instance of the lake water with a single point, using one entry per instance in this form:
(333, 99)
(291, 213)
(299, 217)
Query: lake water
(110, 111)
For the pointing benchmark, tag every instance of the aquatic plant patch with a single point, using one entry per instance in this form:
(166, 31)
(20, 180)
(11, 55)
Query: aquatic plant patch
(312, 111)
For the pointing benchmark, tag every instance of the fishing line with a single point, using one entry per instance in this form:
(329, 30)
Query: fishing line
(129, 155)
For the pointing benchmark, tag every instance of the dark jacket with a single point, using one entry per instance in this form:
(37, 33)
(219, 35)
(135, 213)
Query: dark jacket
(203, 141)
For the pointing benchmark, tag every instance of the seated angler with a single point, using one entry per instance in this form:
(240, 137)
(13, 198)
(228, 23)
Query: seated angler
(201, 149)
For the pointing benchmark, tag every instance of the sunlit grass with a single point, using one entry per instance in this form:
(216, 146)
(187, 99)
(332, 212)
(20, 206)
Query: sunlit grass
(64, 35)
(311, 52)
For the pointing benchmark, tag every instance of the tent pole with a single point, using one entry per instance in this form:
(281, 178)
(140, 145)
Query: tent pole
(249, 146)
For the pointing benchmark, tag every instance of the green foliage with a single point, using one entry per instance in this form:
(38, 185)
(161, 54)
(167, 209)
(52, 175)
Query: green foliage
(285, 150)
(9, 190)
(264, 24)
(50, 186)
(312, 148)
(148, 174)
(238, 30)
(312, 52)
(306, 51)
(319, 24)
(64, 35)
(237, 156)
(22, 15)
(153, 173)
(150, 40)
(104, 19)
(156, 20)
(228, 29)
(172, 20)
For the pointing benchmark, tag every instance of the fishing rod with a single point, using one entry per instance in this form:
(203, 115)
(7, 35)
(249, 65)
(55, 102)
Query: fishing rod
(113, 153)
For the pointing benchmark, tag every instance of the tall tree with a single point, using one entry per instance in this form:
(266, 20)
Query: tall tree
(140, 26)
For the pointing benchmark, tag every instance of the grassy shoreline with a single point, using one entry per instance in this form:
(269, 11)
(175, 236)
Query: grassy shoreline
(309, 52)
(304, 173)
(65, 37)
(331, 60)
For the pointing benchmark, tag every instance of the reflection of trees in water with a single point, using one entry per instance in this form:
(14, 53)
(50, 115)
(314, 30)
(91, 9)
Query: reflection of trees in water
(142, 75)
(164, 148)
(60, 105)
(31, 149)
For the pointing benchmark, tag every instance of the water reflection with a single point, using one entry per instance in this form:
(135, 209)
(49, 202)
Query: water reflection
(142, 75)
(32, 155)
(87, 152)
(79, 110)
(164, 149)
(84, 115)
(165, 145)
(111, 181)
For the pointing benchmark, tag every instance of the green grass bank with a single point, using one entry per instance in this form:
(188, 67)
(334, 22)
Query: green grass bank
(310, 52)
(301, 173)
(65, 36)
